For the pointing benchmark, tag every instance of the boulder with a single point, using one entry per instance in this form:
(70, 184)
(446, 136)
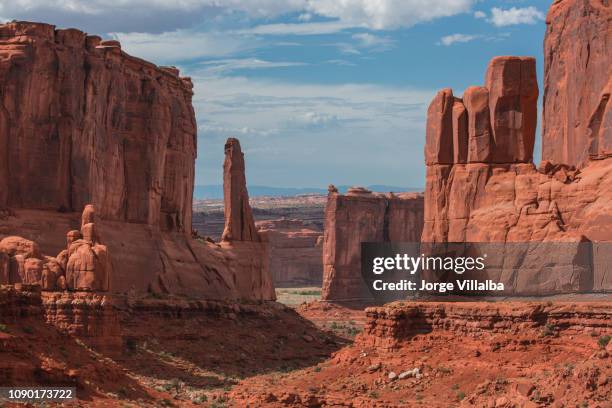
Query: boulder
(19, 246)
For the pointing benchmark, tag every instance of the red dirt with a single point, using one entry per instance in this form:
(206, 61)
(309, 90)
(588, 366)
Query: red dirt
(183, 353)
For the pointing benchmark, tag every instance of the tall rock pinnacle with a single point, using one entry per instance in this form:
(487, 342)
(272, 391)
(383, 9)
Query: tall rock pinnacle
(239, 223)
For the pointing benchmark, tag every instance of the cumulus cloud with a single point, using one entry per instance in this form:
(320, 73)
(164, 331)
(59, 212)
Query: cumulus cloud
(513, 16)
(457, 38)
(388, 14)
(480, 14)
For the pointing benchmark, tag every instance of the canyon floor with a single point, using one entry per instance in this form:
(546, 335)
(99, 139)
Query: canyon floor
(314, 354)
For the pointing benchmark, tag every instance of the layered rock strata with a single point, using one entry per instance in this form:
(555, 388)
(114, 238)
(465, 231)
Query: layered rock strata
(362, 216)
(88, 316)
(387, 327)
(295, 252)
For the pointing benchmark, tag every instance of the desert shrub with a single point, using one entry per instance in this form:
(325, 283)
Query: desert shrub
(603, 341)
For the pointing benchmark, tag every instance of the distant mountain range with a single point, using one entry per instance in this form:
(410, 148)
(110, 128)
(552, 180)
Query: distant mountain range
(216, 191)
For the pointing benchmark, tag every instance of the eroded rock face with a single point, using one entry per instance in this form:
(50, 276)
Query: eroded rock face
(500, 196)
(84, 122)
(295, 252)
(83, 265)
(239, 222)
(362, 216)
(89, 316)
(577, 82)
(513, 96)
(387, 327)
(439, 130)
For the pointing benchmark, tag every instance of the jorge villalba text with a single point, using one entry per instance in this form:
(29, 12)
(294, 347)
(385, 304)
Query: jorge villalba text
(470, 285)
(410, 265)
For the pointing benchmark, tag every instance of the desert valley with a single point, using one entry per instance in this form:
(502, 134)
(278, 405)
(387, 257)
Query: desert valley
(115, 281)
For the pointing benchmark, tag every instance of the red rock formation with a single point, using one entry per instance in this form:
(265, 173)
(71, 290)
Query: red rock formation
(84, 265)
(577, 82)
(239, 223)
(363, 216)
(439, 135)
(499, 195)
(295, 252)
(88, 316)
(388, 326)
(513, 96)
(83, 122)
(476, 99)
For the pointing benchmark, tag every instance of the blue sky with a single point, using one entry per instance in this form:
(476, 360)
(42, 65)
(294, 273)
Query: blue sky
(318, 91)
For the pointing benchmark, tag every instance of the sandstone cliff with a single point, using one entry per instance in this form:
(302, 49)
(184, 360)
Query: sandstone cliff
(481, 184)
(295, 252)
(82, 122)
(577, 82)
(363, 216)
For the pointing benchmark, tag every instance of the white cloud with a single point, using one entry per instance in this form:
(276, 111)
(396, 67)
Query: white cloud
(329, 27)
(305, 17)
(227, 65)
(379, 43)
(253, 8)
(512, 16)
(163, 15)
(315, 120)
(479, 14)
(340, 62)
(182, 45)
(318, 130)
(388, 14)
(457, 38)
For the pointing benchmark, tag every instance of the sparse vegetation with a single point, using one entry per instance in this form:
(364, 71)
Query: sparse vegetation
(460, 395)
(4, 328)
(200, 399)
(603, 341)
(548, 330)
(131, 344)
(306, 292)
(27, 330)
